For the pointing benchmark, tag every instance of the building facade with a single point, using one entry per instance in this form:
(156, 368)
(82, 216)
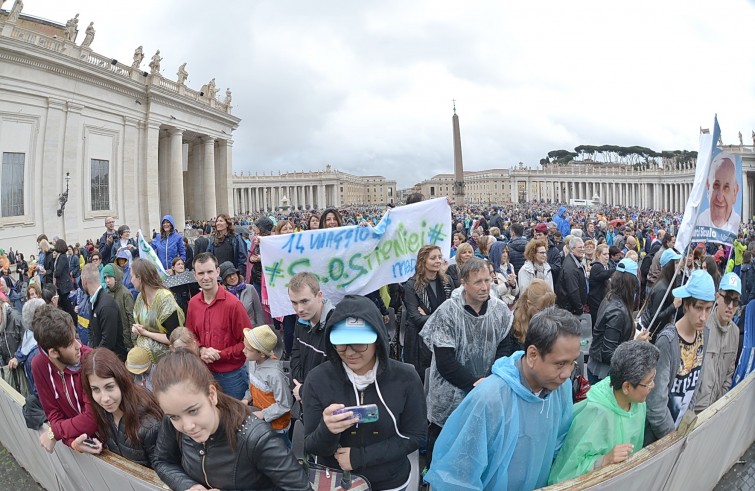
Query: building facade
(656, 188)
(310, 190)
(486, 187)
(84, 137)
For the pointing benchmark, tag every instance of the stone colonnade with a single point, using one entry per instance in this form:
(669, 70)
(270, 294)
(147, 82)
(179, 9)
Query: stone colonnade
(268, 197)
(194, 175)
(650, 189)
(643, 195)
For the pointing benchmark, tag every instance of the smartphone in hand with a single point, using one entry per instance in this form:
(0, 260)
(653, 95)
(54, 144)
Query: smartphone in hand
(90, 443)
(366, 414)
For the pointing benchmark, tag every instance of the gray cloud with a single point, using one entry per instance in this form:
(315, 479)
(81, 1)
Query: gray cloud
(367, 86)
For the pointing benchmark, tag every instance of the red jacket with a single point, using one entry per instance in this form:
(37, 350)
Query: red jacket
(220, 325)
(62, 396)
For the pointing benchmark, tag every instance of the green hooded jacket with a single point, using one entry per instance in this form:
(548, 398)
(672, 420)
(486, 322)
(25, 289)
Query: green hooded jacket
(599, 424)
(124, 300)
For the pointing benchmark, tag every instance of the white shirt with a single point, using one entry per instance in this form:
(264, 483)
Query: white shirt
(731, 225)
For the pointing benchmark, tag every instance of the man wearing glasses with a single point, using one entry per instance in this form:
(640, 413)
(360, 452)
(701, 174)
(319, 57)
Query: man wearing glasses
(721, 339)
(107, 239)
(681, 347)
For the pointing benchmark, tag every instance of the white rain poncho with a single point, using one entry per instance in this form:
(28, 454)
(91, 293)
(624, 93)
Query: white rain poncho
(474, 339)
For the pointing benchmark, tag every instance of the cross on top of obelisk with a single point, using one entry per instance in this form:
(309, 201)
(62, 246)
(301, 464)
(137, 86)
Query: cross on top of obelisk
(454, 101)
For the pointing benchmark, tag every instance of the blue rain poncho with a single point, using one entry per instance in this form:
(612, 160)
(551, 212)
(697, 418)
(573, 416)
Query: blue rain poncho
(599, 425)
(501, 436)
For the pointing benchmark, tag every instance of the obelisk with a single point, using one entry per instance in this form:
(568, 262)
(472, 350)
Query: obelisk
(458, 164)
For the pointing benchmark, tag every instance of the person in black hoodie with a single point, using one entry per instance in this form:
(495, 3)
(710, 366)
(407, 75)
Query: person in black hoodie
(517, 246)
(359, 372)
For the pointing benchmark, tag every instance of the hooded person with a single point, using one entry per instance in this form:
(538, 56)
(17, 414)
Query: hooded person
(123, 263)
(562, 221)
(233, 281)
(359, 373)
(123, 298)
(507, 431)
(169, 243)
(609, 426)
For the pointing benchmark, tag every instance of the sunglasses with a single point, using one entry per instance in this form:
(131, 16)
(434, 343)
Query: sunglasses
(730, 299)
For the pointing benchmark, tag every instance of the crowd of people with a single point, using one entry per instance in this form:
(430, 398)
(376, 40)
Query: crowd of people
(550, 342)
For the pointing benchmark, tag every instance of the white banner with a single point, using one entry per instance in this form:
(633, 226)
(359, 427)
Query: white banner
(147, 252)
(355, 260)
(693, 206)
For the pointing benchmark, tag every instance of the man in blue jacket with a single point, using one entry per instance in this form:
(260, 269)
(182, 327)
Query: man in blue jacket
(507, 431)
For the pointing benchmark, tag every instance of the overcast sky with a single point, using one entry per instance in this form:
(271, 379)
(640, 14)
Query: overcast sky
(367, 86)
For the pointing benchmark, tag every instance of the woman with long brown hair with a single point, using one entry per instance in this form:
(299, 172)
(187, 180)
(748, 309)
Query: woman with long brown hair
(156, 312)
(128, 416)
(536, 298)
(423, 294)
(210, 438)
(330, 218)
(615, 322)
(227, 245)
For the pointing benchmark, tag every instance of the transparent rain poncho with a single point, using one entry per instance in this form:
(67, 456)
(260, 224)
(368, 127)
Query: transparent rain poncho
(475, 340)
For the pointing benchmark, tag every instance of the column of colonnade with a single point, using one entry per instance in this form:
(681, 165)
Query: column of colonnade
(187, 166)
(268, 197)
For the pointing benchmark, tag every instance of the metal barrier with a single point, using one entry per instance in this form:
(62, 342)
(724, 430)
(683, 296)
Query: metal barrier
(64, 469)
(695, 459)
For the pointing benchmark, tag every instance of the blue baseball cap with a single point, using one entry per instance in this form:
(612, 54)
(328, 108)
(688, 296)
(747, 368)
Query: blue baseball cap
(731, 281)
(699, 286)
(353, 331)
(627, 265)
(668, 256)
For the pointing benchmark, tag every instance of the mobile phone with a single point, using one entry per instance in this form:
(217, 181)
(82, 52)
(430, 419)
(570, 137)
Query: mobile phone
(366, 414)
(90, 443)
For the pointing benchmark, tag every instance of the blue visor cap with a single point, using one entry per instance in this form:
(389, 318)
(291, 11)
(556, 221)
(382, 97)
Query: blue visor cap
(700, 286)
(353, 331)
(668, 256)
(627, 265)
(731, 282)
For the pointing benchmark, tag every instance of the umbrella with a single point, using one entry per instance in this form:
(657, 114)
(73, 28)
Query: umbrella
(617, 222)
(185, 278)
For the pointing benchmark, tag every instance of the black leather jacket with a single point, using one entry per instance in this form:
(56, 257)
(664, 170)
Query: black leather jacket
(260, 461)
(142, 453)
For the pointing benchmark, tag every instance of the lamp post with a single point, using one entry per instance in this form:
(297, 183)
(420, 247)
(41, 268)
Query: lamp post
(63, 198)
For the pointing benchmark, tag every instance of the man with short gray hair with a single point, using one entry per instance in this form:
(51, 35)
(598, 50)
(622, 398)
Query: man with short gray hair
(571, 289)
(506, 433)
(466, 335)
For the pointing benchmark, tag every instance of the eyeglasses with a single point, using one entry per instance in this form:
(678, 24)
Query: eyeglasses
(96, 259)
(356, 348)
(730, 300)
(542, 252)
(647, 386)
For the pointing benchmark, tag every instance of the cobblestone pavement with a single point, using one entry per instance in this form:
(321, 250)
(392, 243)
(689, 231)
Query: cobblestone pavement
(13, 476)
(741, 477)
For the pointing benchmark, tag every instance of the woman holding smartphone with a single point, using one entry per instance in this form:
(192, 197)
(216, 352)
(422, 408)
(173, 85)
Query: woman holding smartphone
(359, 373)
(128, 417)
